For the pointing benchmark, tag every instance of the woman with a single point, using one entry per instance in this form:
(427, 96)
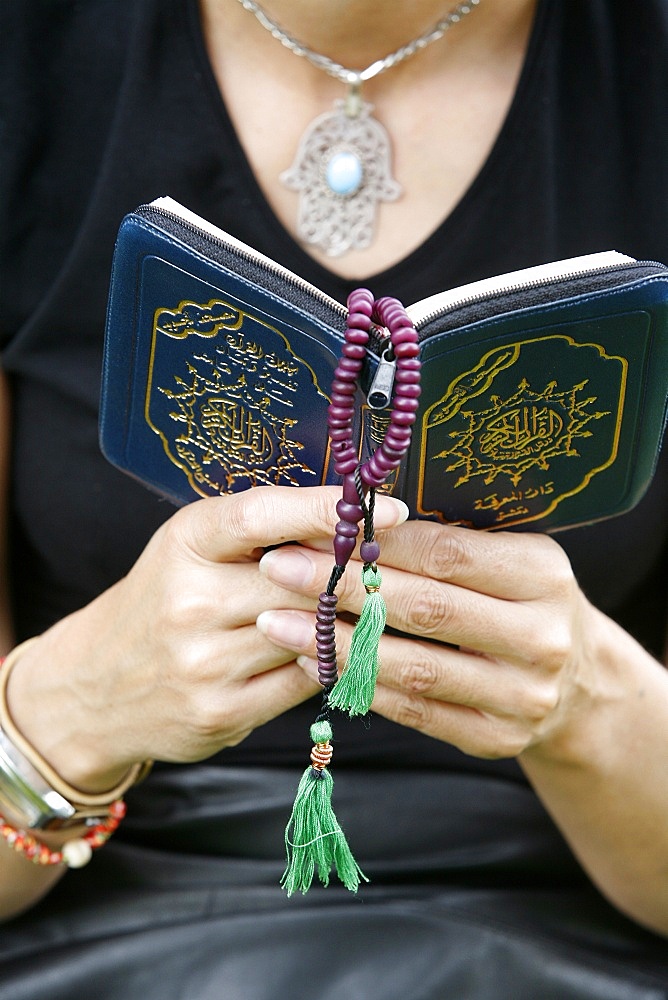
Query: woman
(506, 734)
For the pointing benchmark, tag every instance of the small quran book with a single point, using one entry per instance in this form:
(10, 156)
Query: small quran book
(543, 391)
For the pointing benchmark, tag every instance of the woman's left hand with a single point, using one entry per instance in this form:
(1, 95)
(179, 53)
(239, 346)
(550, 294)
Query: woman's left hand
(494, 656)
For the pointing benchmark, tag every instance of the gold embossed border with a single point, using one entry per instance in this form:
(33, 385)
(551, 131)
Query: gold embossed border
(210, 321)
(476, 381)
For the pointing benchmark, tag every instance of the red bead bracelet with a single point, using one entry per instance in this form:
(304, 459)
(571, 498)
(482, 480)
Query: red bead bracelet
(74, 853)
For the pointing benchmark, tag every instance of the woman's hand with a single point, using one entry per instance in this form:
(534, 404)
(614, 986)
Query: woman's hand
(168, 664)
(510, 662)
(522, 665)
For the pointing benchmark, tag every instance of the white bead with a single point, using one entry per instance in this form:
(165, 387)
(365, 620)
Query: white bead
(77, 853)
(344, 173)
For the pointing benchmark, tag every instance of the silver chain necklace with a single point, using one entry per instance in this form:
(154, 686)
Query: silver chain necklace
(342, 168)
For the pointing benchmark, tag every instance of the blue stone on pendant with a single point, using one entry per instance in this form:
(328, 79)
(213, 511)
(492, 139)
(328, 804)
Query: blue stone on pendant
(344, 173)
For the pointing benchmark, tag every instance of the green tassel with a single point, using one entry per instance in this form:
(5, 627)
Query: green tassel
(355, 689)
(313, 837)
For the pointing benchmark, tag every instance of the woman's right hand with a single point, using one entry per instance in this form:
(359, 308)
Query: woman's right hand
(168, 664)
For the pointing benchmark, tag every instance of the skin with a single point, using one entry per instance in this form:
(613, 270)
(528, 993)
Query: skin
(536, 672)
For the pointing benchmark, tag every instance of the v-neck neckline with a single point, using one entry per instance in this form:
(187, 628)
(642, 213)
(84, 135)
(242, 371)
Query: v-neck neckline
(290, 251)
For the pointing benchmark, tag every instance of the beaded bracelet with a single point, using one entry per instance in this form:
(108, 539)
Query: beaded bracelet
(314, 839)
(74, 853)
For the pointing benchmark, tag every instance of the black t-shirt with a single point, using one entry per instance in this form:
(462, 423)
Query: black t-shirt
(106, 105)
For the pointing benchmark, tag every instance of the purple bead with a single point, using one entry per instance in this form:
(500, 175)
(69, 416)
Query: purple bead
(373, 468)
(351, 377)
(338, 416)
(325, 677)
(339, 424)
(345, 465)
(369, 552)
(408, 377)
(338, 399)
(346, 372)
(407, 350)
(327, 671)
(398, 321)
(387, 307)
(350, 494)
(347, 529)
(407, 391)
(408, 404)
(409, 365)
(348, 366)
(344, 459)
(395, 450)
(355, 351)
(342, 378)
(382, 460)
(343, 549)
(357, 336)
(343, 450)
(351, 512)
(399, 447)
(339, 433)
(370, 478)
(360, 300)
(330, 600)
(395, 439)
(343, 388)
(403, 419)
(393, 454)
(404, 335)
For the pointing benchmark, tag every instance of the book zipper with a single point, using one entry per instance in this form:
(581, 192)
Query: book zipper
(421, 313)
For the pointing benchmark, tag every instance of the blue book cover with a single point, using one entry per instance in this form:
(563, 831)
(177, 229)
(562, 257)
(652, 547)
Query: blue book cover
(543, 391)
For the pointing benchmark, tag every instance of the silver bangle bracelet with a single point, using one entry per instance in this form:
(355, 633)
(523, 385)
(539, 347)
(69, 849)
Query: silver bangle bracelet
(24, 794)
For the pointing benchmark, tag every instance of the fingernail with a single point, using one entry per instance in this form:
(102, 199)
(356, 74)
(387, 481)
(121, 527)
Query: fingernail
(309, 666)
(289, 567)
(287, 628)
(389, 511)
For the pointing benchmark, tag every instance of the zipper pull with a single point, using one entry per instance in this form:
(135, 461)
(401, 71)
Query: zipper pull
(380, 392)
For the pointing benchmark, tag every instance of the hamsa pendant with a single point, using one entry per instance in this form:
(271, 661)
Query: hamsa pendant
(342, 171)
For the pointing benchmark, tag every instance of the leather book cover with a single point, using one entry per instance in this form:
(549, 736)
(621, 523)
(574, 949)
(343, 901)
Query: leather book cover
(543, 391)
